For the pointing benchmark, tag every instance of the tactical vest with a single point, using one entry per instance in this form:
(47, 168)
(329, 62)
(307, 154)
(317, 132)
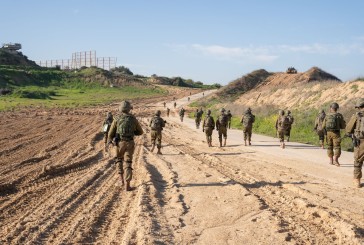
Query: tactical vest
(284, 122)
(359, 129)
(248, 120)
(126, 126)
(156, 123)
(223, 120)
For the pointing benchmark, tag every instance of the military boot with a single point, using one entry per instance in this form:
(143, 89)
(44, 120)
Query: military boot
(245, 142)
(288, 139)
(152, 149)
(322, 144)
(128, 188)
(336, 161)
(250, 143)
(357, 183)
(210, 144)
(225, 142)
(220, 143)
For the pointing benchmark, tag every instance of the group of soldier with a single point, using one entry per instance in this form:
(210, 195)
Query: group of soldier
(120, 131)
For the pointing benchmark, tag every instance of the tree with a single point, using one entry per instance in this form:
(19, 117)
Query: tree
(122, 70)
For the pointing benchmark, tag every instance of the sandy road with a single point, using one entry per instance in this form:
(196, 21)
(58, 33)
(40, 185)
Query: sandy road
(58, 186)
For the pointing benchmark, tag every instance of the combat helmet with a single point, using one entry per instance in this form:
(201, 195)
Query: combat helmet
(125, 106)
(158, 113)
(109, 114)
(322, 111)
(222, 110)
(281, 112)
(334, 106)
(360, 103)
(208, 112)
(288, 112)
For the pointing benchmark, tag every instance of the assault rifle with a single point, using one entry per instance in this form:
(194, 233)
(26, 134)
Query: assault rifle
(355, 140)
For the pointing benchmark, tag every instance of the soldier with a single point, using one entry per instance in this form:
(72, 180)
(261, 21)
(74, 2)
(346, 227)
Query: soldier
(164, 104)
(355, 128)
(188, 98)
(247, 120)
(197, 118)
(291, 120)
(157, 124)
(208, 126)
(181, 114)
(229, 118)
(122, 131)
(318, 127)
(174, 104)
(221, 126)
(106, 126)
(168, 110)
(332, 124)
(282, 124)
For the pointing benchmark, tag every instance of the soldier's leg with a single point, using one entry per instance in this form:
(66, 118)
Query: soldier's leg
(120, 150)
(281, 139)
(130, 145)
(225, 135)
(358, 163)
(322, 139)
(220, 137)
(330, 147)
(245, 132)
(153, 136)
(250, 135)
(159, 142)
(337, 149)
(105, 138)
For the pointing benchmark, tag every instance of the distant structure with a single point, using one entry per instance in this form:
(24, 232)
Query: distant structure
(291, 70)
(81, 59)
(12, 46)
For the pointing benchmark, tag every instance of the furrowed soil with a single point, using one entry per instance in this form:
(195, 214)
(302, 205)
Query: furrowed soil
(58, 185)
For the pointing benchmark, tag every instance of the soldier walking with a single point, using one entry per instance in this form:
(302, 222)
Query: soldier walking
(319, 129)
(355, 128)
(106, 126)
(157, 124)
(181, 114)
(229, 118)
(208, 126)
(198, 117)
(122, 131)
(221, 126)
(174, 104)
(168, 110)
(247, 120)
(332, 124)
(164, 104)
(282, 124)
(291, 120)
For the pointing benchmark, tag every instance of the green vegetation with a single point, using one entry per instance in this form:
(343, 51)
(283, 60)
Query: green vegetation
(354, 88)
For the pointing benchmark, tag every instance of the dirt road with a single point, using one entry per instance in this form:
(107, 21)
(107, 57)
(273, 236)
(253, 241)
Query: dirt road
(58, 186)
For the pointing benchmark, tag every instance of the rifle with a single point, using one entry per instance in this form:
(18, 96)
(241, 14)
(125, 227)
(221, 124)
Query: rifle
(355, 140)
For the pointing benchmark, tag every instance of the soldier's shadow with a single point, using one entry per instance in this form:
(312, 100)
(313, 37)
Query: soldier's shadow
(231, 154)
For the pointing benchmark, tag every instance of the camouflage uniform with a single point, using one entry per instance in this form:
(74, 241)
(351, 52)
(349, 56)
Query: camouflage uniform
(332, 124)
(106, 126)
(181, 114)
(221, 126)
(228, 114)
(174, 104)
(247, 120)
(168, 110)
(318, 127)
(125, 146)
(208, 126)
(282, 124)
(198, 116)
(355, 128)
(291, 120)
(157, 124)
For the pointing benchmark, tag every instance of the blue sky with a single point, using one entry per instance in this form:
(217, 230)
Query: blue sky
(208, 41)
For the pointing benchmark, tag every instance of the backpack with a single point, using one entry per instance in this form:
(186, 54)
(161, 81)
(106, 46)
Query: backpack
(126, 126)
(223, 120)
(209, 122)
(331, 122)
(284, 122)
(156, 124)
(248, 120)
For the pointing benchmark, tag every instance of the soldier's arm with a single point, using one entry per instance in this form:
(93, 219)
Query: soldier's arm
(350, 127)
(138, 128)
(342, 122)
(112, 131)
(241, 120)
(253, 119)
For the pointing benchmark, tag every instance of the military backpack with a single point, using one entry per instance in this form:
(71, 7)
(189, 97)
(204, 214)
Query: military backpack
(248, 120)
(359, 130)
(332, 122)
(223, 120)
(156, 123)
(126, 126)
(209, 122)
(284, 122)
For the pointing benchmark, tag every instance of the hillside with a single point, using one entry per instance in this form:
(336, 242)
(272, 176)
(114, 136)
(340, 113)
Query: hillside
(15, 58)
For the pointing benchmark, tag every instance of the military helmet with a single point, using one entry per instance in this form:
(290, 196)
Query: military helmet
(249, 109)
(109, 114)
(125, 106)
(322, 111)
(334, 106)
(359, 103)
(288, 112)
(208, 112)
(281, 112)
(222, 109)
(228, 110)
(158, 113)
